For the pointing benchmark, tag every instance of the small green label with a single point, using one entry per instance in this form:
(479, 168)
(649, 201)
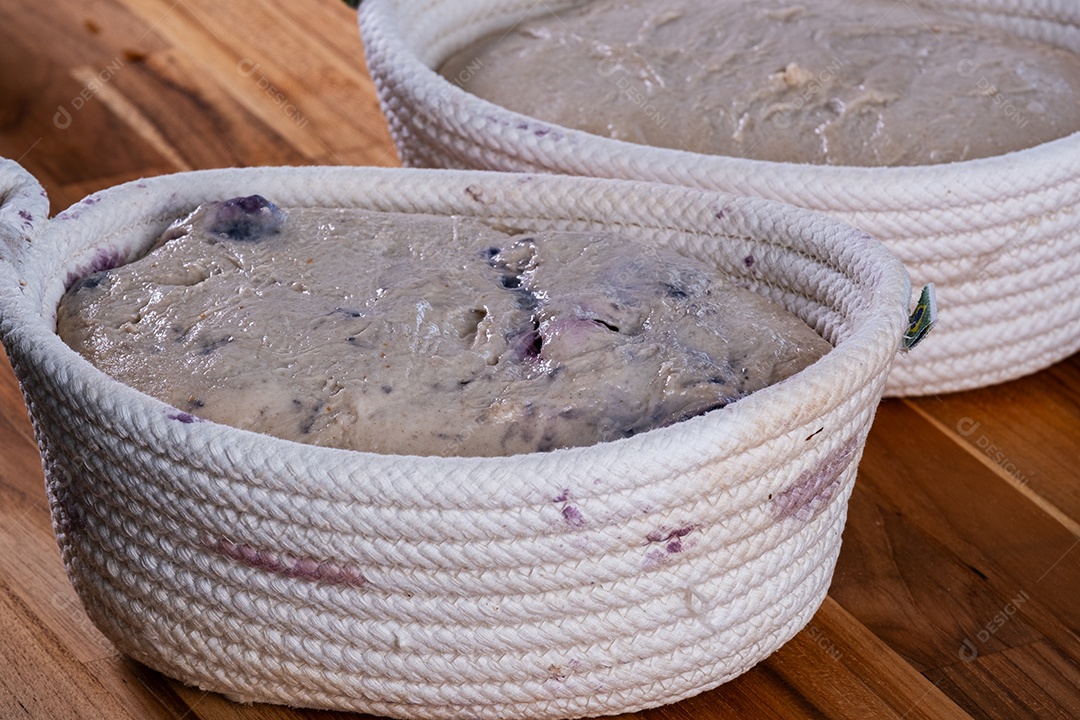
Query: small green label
(922, 319)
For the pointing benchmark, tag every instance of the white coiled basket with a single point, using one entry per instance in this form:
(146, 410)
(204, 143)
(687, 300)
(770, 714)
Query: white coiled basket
(999, 237)
(578, 582)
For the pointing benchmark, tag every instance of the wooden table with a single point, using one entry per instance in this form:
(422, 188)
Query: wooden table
(958, 588)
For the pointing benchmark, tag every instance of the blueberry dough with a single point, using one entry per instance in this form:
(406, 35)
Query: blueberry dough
(834, 82)
(426, 335)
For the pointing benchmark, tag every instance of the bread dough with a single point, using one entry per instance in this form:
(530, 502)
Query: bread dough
(836, 82)
(426, 335)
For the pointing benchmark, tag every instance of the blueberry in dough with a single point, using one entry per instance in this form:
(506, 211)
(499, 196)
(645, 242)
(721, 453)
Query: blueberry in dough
(247, 218)
(90, 282)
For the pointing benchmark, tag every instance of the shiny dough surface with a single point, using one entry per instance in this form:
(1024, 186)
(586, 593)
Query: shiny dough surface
(425, 335)
(836, 82)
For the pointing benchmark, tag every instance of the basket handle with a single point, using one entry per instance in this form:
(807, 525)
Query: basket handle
(24, 210)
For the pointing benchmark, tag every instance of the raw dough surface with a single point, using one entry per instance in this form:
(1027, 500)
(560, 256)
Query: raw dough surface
(839, 82)
(416, 334)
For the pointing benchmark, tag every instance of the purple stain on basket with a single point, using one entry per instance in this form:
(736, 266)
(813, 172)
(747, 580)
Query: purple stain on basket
(816, 486)
(303, 568)
(572, 516)
(673, 541)
(186, 418)
(104, 260)
(27, 218)
(509, 123)
(663, 534)
(246, 218)
(748, 261)
(89, 200)
(655, 558)
(562, 497)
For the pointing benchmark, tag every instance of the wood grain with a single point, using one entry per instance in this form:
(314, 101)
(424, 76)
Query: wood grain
(956, 591)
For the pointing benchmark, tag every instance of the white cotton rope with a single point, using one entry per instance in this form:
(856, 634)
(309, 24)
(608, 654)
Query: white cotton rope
(974, 229)
(413, 587)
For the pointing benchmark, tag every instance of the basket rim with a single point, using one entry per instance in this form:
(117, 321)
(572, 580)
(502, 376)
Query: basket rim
(378, 27)
(29, 337)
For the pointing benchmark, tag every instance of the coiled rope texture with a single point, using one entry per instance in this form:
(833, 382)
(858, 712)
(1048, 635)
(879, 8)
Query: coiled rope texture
(579, 582)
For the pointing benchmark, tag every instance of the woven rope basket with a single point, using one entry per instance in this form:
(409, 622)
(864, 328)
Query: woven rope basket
(1000, 237)
(578, 582)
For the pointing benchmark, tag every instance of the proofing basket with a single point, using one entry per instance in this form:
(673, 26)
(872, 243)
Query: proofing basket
(578, 582)
(999, 237)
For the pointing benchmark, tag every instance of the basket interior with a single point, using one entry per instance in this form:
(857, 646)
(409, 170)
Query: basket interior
(437, 30)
